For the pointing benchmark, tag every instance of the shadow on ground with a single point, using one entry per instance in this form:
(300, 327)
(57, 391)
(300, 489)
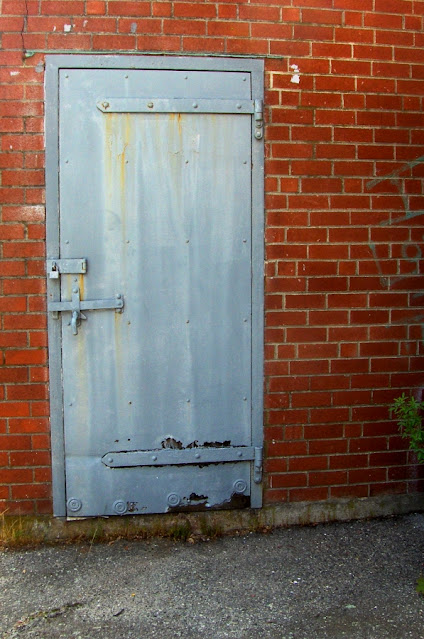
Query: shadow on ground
(355, 580)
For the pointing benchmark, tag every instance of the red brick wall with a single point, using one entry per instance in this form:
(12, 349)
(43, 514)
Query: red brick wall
(344, 325)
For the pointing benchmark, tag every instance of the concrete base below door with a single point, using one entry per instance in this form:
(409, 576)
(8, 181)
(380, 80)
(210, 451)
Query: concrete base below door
(15, 530)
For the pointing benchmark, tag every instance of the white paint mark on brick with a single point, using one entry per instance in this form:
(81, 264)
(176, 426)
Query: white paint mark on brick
(295, 77)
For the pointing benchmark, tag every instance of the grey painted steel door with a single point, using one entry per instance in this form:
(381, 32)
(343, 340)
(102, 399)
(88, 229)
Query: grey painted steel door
(155, 201)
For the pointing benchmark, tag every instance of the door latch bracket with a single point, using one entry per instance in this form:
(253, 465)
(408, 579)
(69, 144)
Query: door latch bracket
(56, 267)
(76, 306)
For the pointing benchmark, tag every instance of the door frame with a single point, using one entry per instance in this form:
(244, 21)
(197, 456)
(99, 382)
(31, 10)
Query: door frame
(55, 63)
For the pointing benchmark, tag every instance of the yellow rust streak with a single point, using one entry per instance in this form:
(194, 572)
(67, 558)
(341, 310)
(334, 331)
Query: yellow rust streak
(81, 285)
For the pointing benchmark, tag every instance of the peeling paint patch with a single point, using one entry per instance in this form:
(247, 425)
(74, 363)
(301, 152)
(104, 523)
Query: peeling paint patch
(133, 27)
(225, 444)
(67, 28)
(172, 443)
(194, 497)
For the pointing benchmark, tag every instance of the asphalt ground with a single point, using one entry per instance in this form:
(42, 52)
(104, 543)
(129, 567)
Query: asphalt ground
(355, 580)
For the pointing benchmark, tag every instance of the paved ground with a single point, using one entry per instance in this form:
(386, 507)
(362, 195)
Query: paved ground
(355, 580)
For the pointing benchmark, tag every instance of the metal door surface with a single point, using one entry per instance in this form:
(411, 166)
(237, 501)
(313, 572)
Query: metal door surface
(151, 285)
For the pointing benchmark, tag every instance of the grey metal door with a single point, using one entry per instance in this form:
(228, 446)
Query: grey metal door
(152, 283)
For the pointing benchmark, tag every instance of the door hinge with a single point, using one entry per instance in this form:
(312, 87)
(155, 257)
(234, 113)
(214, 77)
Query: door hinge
(257, 464)
(259, 119)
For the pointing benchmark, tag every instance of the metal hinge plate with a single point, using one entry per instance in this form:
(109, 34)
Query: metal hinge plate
(259, 119)
(176, 457)
(174, 105)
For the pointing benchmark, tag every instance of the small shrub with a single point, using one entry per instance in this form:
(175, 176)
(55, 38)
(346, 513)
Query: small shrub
(408, 412)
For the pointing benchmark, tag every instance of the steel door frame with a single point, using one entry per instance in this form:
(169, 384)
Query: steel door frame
(54, 63)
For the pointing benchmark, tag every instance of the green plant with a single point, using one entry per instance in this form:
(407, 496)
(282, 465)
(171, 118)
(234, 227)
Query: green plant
(180, 531)
(408, 412)
(420, 585)
(210, 529)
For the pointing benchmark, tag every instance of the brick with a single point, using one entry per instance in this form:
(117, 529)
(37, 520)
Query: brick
(27, 392)
(308, 463)
(290, 14)
(332, 431)
(14, 409)
(275, 495)
(283, 449)
(379, 20)
(288, 480)
(158, 43)
(42, 474)
(327, 446)
(127, 8)
(319, 16)
(29, 425)
(312, 134)
(13, 340)
(25, 357)
(114, 42)
(57, 8)
(15, 475)
(327, 478)
(24, 178)
(30, 458)
(332, 50)
(328, 415)
(227, 11)
(30, 491)
(288, 48)
(95, 7)
(68, 41)
(186, 27)
(245, 47)
(336, 151)
(10, 23)
(367, 444)
(22, 142)
(308, 494)
(340, 117)
(310, 399)
(194, 10)
(393, 6)
(313, 33)
(18, 507)
(348, 491)
(397, 458)
(366, 5)
(348, 461)
(307, 366)
(145, 26)
(372, 53)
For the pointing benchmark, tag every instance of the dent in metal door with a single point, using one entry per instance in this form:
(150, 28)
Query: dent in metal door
(157, 198)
